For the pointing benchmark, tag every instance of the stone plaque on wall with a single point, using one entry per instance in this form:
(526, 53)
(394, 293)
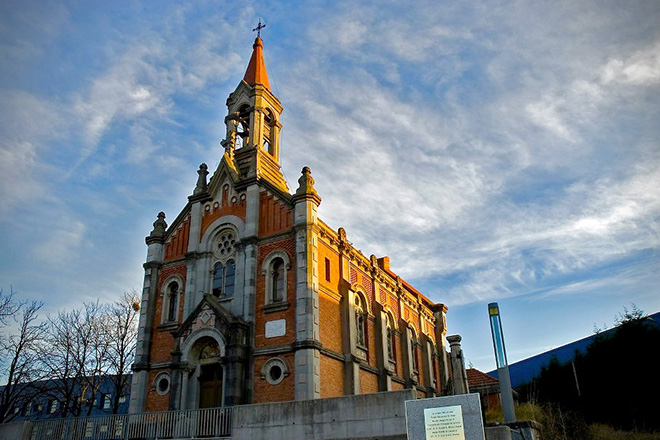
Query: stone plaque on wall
(275, 328)
(445, 418)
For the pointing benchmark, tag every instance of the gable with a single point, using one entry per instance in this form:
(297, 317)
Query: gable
(209, 314)
(225, 199)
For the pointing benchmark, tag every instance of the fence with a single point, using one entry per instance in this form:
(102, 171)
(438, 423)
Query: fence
(187, 424)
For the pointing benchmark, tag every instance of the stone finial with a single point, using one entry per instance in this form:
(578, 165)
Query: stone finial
(341, 232)
(159, 226)
(305, 182)
(201, 186)
(306, 191)
(457, 363)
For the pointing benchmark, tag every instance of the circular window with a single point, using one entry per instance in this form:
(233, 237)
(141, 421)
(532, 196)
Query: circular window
(225, 242)
(162, 383)
(274, 371)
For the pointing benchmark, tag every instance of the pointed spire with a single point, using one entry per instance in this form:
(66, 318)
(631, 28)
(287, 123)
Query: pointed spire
(256, 70)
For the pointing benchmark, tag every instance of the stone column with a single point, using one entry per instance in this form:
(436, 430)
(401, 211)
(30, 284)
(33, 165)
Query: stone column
(236, 388)
(458, 374)
(249, 250)
(440, 314)
(155, 244)
(427, 359)
(408, 373)
(349, 338)
(194, 279)
(307, 345)
(385, 372)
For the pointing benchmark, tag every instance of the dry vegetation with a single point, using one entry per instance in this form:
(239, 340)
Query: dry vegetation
(558, 425)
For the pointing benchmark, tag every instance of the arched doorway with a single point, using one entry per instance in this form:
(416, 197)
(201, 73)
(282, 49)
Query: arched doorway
(210, 375)
(203, 385)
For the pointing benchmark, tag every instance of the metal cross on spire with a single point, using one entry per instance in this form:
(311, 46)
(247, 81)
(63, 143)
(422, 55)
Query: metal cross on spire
(259, 28)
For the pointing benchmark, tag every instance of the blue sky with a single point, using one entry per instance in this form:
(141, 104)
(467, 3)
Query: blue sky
(495, 150)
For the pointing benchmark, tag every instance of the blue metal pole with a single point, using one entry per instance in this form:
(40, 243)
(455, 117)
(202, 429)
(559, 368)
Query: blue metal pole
(502, 365)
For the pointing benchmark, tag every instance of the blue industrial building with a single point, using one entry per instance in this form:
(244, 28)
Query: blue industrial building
(524, 371)
(42, 400)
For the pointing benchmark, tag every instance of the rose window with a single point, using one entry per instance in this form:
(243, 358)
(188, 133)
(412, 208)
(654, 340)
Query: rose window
(225, 244)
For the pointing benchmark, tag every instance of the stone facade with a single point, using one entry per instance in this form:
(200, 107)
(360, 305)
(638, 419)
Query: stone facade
(249, 297)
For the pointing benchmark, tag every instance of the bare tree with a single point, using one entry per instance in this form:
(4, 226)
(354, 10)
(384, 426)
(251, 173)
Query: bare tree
(121, 334)
(20, 361)
(8, 306)
(76, 357)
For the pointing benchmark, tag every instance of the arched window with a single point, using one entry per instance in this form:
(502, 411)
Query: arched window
(224, 276)
(275, 268)
(413, 350)
(243, 127)
(269, 121)
(230, 276)
(218, 278)
(172, 289)
(224, 270)
(172, 296)
(390, 338)
(360, 322)
(277, 283)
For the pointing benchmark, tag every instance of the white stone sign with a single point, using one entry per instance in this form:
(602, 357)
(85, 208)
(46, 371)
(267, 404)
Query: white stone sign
(444, 423)
(276, 328)
(455, 417)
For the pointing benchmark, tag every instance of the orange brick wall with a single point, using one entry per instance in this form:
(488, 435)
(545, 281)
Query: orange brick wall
(325, 252)
(396, 386)
(215, 210)
(287, 245)
(332, 377)
(156, 402)
(394, 306)
(274, 216)
(176, 245)
(368, 382)
(162, 341)
(371, 343)
(265, 392)
(398, 355)
(161, 346)
(330, 322)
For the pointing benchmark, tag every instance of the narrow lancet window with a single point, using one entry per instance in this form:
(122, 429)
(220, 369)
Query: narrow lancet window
(278, 280)
(218, 277)
(172, 294)
(360, 318)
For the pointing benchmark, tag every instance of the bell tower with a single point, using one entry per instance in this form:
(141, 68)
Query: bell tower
(252, 143)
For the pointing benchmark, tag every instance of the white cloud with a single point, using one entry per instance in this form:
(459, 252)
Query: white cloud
(63, 243)
(546, 115)
(641, 68)
(457, 191)
(28, 124)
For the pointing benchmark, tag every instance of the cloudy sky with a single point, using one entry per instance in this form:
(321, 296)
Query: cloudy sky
(495, 150)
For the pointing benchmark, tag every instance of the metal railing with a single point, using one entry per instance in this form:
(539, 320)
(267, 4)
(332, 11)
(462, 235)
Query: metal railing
(186, 424)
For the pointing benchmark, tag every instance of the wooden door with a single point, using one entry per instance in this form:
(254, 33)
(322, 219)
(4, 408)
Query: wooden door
(210, 386)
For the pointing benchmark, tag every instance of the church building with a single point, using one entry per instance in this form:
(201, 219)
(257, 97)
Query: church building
(249, 297)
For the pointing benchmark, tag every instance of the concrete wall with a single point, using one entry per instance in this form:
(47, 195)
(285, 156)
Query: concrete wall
(368, 416)
(520, 430)
(16, 431)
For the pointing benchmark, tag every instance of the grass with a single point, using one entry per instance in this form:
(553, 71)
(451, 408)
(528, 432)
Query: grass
(524, 411)
(605, 432)
(558, 425)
